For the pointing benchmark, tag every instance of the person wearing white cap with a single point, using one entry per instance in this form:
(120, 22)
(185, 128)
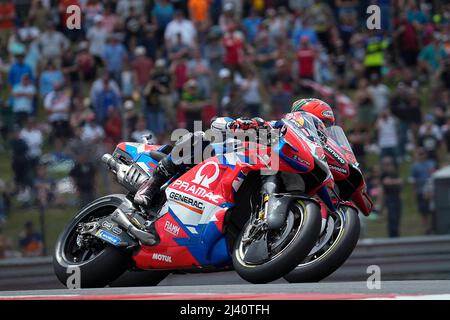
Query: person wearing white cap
(97, 36)
(142, 66)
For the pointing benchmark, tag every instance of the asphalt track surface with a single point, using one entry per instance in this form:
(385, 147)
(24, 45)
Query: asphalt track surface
(435, 289)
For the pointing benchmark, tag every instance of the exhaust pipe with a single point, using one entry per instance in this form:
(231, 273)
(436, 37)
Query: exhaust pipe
(110, 161)
(121, 218)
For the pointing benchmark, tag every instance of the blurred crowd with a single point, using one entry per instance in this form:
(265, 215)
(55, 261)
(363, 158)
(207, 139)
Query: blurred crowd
(143, 67)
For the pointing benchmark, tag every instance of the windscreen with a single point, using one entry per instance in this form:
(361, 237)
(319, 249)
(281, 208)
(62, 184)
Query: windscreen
(338, 135)
(303, 123)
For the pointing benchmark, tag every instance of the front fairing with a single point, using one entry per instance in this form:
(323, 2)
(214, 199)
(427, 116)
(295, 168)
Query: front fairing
(300, 144)
(303, 149)
(336, 160)
(357, 189)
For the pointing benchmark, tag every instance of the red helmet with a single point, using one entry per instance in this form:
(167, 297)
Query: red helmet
(317, 107)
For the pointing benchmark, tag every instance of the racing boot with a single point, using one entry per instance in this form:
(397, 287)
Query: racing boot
(165, 170)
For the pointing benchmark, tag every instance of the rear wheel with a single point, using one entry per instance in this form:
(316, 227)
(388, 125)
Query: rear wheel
(283, 249)
(96, 263)
(332, 249)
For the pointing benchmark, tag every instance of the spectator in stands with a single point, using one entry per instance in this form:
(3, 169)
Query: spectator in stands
(49, 78)
(386, 126)
(19, 162)
(18, 69)
(160, 84)
(97, 36)
(265, 57)
(114, 56)
(182, 26)
(84, 174)
(7, 16)
(52, 44)
(420, 174)
(392, 187)
(379, 93)
(23, 95)
(43, 186)
(192, 104)
(430, 137)
(251, 25)
(142, 131)
(281, 100)
(34, 139)
(86, 63)
(306, 57)
(142, 67)
(30, 241)
(162, 14)
(198, 68)
(57, 105)
(92, 133)
(251, 93)
(104, 99)
(234, 46)
(432, 57)
(149, 42)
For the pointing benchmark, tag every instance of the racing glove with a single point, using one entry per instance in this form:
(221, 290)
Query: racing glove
(246, 124)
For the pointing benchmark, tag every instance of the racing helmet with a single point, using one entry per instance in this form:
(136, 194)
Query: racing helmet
(316, 107)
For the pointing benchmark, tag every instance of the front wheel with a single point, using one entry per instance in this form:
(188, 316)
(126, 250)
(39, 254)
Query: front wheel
(95, 264)
(332, 249)
(283, 249)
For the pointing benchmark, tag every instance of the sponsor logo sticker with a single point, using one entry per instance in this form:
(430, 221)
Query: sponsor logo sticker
(107, 225)
(196, 191)
(187, 200)
(171, 228)
(162, 257)
(108, 237)
(334, 154)
(327, 113)
(339, 169)
(206, 179)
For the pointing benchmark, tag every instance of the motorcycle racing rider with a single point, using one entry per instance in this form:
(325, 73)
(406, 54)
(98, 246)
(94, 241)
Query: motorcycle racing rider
(169, 166)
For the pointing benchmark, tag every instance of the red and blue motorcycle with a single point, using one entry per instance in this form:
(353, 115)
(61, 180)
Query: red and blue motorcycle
(251, 207)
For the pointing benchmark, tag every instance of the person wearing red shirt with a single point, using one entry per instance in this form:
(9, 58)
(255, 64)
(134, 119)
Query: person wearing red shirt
(7, 16)
(306, 57)
(234, 47)
(408, 41)
(142, 66)
(179, 72)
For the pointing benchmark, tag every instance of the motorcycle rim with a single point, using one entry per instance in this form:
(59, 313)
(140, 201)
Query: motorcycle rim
(74, 254)
(281, 239)
(338, 232)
